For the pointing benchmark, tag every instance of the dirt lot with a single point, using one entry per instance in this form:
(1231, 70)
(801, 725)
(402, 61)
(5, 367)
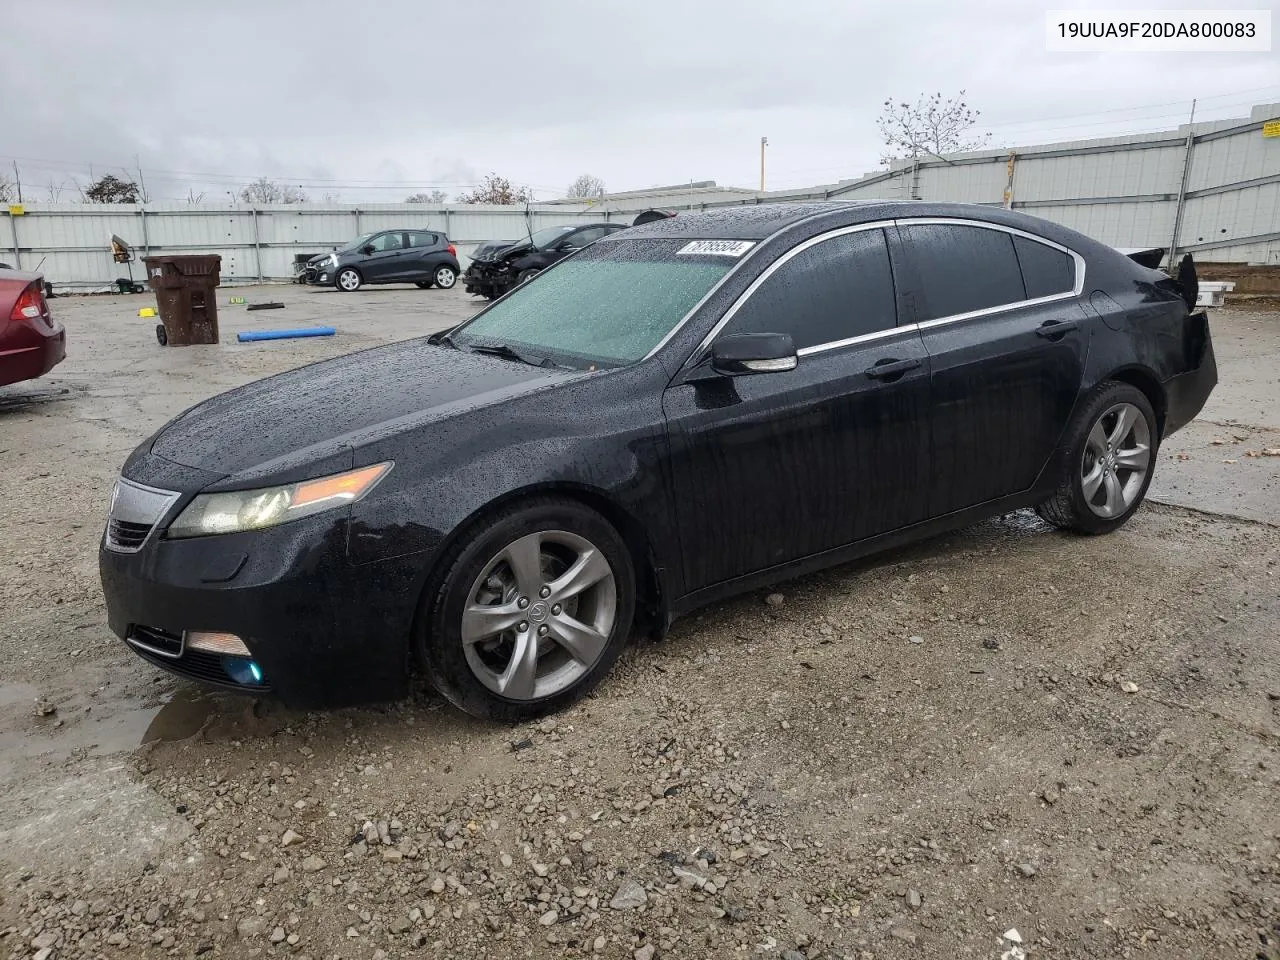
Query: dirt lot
(1003, 743)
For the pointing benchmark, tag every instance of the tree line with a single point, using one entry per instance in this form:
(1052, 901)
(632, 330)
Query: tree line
(932, 126)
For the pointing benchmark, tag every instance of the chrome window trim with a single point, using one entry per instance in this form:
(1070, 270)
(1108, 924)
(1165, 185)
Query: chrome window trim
(1077, 289)
(983, 224)
(700, 350)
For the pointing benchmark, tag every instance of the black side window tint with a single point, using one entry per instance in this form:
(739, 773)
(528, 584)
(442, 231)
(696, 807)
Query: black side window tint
(1045, 271)
(834, 290)
(962, 268)
(422, 239)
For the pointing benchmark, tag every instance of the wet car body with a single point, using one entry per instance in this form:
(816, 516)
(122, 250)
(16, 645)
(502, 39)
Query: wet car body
(717, 484)
(31, 342)
(495, 271)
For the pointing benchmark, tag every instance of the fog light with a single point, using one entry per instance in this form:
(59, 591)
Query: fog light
(227, 644)
(243, 671)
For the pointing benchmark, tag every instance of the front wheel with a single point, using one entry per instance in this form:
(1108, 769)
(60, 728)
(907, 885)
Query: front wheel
(535, 606)
(1109, 455)
(445, 278)
(349, 280)
(524, 276)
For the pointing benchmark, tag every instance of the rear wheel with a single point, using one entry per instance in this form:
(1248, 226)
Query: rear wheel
(349, 280)
(445, 277)
(534, 608)
(1109, 456)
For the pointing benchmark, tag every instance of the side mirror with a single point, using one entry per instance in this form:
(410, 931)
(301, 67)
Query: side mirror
(743, 353)
(367, 249)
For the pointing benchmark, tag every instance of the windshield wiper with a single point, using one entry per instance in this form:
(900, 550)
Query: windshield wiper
(444, 338)
(506, 352)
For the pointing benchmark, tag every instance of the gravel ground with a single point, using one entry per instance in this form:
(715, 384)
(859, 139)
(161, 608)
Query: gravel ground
(1003, 743)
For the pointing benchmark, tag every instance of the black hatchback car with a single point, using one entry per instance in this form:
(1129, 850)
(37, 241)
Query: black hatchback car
(495, 270)
(422, 257)
(679, 413)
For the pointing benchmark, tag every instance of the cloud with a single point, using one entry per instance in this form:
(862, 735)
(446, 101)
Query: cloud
(378, 100)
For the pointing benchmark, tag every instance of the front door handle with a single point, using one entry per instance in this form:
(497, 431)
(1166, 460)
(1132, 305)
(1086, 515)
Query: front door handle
(891, 369)
(1056, 328)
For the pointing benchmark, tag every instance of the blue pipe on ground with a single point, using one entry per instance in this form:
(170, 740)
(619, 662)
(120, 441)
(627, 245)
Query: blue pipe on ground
(285, 334)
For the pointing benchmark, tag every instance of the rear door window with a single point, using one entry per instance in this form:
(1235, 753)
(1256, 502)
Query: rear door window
(834, 290)
(961, 268)
(1046, 270)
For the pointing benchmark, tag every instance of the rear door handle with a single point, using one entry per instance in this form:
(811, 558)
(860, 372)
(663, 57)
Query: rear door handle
(891, 369)
(1056, 328)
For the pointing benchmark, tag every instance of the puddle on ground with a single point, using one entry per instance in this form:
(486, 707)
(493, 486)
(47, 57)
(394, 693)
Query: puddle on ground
(182, 717)
(110, 726)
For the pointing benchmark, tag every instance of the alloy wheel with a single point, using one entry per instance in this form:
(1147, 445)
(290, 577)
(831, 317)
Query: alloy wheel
(349, 280)
(539, 615)
(445, 278)
(1116, 458)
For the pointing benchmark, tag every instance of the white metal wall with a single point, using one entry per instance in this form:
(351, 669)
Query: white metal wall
(1125, 191)
(70, 243)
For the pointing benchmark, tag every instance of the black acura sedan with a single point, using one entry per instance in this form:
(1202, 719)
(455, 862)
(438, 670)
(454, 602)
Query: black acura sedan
(680, 412)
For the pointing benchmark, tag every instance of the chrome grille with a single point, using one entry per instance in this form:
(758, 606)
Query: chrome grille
(155, 640)
(125, 535)
(135, 511)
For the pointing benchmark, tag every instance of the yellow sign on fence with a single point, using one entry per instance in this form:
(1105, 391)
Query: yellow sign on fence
(16, 210)
(1271, 128)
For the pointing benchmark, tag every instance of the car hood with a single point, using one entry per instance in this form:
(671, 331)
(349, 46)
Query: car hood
(287, 426)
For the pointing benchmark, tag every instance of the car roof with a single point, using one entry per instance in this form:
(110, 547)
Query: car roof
(760, 221)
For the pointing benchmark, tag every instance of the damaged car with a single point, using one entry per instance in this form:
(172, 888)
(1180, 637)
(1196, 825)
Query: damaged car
(495, 271)
(681, 412)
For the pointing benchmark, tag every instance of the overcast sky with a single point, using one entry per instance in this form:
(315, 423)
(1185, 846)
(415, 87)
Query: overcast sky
(376, 100)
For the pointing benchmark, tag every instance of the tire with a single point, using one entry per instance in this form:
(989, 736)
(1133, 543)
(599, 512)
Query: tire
(1106, 461)
(445, 277)
(481, 676)
(348, 280)
(524, 276)
(162, 335)
(422, 284)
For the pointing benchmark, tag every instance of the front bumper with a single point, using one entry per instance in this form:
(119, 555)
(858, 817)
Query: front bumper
(325, 632)
(322, 275)
(486, 280)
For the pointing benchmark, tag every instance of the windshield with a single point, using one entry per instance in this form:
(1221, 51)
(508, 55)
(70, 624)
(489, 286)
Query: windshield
(609, 305)
(358, 241)
(549, 235)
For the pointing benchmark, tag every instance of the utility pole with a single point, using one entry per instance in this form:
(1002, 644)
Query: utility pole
(764, 142)
(1182, 186)
(142, 184)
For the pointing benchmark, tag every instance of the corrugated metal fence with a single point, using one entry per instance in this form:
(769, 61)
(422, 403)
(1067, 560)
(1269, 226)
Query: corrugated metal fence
(1217, 184)
(70, 243)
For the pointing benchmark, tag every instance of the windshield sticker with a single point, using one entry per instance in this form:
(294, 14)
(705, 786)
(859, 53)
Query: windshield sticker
(716, 248)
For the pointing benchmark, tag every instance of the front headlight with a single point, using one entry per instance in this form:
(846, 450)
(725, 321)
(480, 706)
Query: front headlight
(241, 510)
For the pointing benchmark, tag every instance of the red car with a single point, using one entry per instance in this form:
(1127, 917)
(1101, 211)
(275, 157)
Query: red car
(31, 343)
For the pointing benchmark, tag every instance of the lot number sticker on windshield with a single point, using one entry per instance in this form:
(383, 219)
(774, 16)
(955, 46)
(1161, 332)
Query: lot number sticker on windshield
(716, 248)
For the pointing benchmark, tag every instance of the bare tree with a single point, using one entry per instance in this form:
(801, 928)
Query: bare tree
(7, 191)
(265, 190)
(330, 196)
(193, 197)
(111, 189)
(586, 187)
(496, 189)
(932, 126)
(431, 196)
